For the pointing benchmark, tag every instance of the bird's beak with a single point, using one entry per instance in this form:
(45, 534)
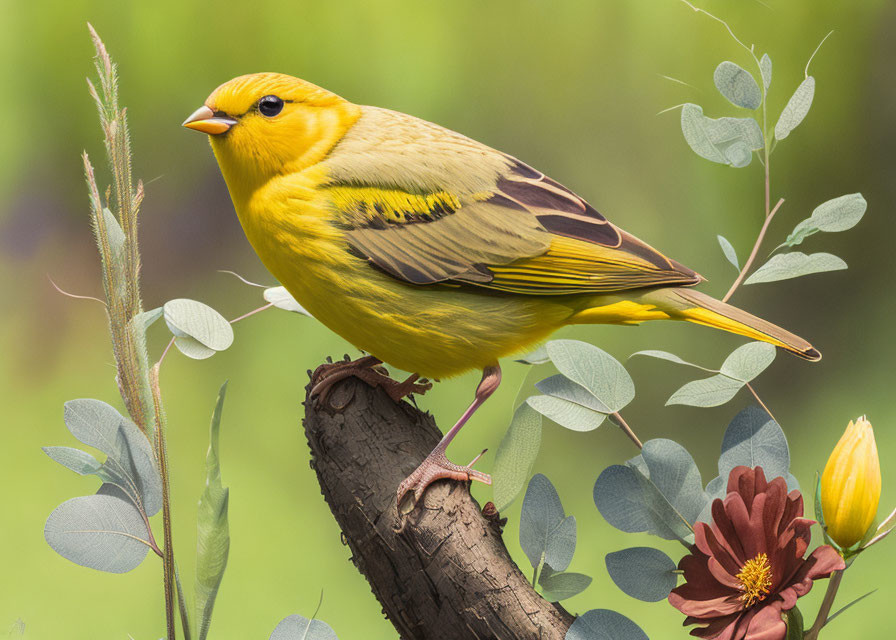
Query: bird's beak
(204, 120)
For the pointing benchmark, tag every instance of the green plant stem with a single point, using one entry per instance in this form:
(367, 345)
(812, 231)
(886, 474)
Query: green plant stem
(754, 252)
(822, 618)
(162, 454)
(627, 430)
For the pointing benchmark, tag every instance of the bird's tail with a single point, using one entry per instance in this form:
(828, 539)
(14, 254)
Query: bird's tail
(679, 303)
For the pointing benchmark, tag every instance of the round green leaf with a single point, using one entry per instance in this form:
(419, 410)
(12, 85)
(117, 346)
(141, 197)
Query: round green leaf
(595, 370)
(198, 321)
(737, 85)
(753, 439)
(793, 265)
(748, 361)
(708, 392)
(545, 531)
(102, 532)
(282, 299)
(603, 624)
(644, 573)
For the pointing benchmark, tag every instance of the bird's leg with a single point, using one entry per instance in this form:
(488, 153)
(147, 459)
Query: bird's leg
(368, 370)
(436, 466)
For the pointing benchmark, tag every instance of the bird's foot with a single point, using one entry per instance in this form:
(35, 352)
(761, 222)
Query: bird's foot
(367, 369)
(435, 467)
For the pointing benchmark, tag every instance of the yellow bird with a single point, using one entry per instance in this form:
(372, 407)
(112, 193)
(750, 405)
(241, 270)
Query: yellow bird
(428, 250)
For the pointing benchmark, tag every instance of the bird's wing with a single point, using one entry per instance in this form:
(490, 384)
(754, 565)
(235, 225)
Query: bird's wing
(519, 232)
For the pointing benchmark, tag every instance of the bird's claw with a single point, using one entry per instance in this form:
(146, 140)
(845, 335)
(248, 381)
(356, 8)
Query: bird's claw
(370, 370)
(435, 467)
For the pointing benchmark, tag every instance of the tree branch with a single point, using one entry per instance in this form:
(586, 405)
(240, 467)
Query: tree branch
(447, 575)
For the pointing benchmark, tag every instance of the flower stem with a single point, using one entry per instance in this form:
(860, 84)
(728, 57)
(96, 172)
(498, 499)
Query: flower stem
(826, 604)
(761, 403)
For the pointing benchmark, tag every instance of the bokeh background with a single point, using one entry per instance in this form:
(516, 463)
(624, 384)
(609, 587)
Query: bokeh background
(570, 87)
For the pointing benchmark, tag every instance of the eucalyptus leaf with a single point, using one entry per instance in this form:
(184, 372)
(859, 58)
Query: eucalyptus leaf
(146, 318)
(565, 413)
(539, 356)
(557, 586)
(192, 348)
(839, 214)
(199, 321)
(628, 500)
(282, 299)
(546, 534)
(748, 361)
(796, 109)
(213, 539)
(665, 355)
(793, 265)
(765, 68)
(737, 85)
(716, 489)
(722, 140)
(102, 532)
(728, 250)
(595, 370)
(300, 628)
(753, 439)
(515, 456)
(604, 624)
(131, 460)
(644, 573)
(675, 475)
(78, 461)
(708, 392)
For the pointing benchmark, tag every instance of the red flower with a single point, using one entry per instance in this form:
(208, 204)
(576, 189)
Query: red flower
(747, 567)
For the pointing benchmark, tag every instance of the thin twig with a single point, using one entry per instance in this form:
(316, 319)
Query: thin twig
(822, 618)
(761, 403)
(627, 430)
(252, 313)
(758, 243)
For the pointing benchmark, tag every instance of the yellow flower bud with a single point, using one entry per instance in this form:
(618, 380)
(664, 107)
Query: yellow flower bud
(850, 485)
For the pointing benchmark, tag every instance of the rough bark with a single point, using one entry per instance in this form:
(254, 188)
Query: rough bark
(447, 575)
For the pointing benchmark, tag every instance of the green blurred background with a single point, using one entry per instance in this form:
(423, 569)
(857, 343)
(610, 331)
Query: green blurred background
(572, 88)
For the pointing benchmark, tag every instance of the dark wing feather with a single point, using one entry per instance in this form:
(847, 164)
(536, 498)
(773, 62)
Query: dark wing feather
(528, 235)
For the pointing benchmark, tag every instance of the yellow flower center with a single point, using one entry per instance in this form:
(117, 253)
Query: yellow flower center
(755, 580)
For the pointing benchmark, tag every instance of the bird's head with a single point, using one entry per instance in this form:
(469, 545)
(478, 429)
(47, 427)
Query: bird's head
(265, 124)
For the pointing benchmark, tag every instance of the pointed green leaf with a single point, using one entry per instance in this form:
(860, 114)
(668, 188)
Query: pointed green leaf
(131, 460)
(557, 586)
(737, 85)
(516, 455)
(595, 370)
(146, 318)
(102, 532)
(847, 606)
(198, 321)
(213, 540)
(796, 109)
(78, 461)
(794, 265)
(546, 534)
(671, 357)
(765, 67)
(728, 250)
(539, 356)
(672, 470)
(794, 624)
(753, 439)
(748, 361)
(604, 624)
(832, 216)
(644, 573)
(725, 140)
(282, 299)
(708, 392)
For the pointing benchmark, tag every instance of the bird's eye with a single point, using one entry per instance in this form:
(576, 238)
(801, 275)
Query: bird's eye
(270, 106)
